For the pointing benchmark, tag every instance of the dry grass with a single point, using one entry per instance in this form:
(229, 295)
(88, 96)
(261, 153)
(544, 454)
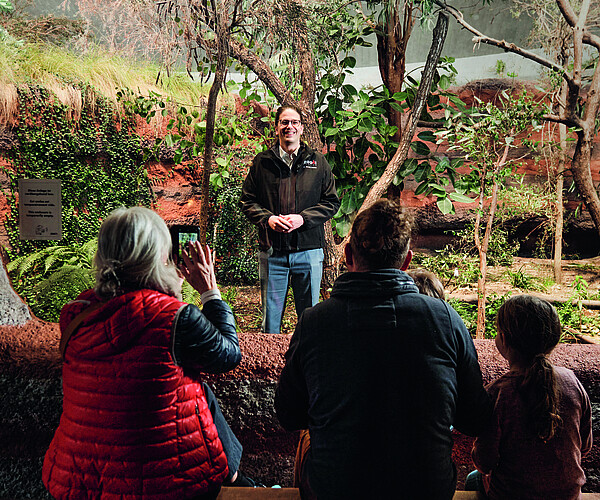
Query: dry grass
(9, 104)
(57, 69)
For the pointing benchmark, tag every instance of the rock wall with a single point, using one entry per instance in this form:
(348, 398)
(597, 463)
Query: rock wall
(30, 385)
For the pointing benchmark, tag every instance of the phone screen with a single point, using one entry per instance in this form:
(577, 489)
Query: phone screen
(184, 238)
(181, 234)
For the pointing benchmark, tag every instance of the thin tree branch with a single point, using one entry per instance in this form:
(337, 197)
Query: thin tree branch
(503, 44)
(572, 19)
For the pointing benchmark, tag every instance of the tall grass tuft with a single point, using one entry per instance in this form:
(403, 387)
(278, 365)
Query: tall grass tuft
(57, 68)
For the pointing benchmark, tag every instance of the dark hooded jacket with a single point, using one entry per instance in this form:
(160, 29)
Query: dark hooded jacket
(379, 373)
(273, 188)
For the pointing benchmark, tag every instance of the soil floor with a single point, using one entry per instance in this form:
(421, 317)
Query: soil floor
(245, 300)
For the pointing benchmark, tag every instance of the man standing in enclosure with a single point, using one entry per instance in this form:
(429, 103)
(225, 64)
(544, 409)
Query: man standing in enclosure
(289, 194)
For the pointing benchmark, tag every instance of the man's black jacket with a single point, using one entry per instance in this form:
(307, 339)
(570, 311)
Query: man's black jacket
(273, 188)
(379, 373)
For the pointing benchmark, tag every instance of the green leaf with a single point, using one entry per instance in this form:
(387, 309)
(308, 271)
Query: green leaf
(349, 62)
(342, 227)
(349, 124)
(349, 204)
(365, 125)
(408, 167)
(421, 188)
(349, 90)
(445, 206)
(427, 135)
(461, 198)
(444, 82)
(423, 171)
(177, 157)
(420, 148)
(437, 190)
(399, 96)
(331, 131)
(6, 6)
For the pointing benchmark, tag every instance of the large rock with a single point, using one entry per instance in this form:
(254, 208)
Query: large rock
(30, 370)
(13, 311)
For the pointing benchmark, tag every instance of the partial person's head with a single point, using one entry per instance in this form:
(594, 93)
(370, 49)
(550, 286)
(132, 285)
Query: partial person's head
(134, 248)
(427, 283)
(380, 238)
(288, 126)
(528, 325)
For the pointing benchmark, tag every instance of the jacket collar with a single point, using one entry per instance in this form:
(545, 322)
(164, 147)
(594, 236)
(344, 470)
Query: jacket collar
(301, 152)
(380, 282)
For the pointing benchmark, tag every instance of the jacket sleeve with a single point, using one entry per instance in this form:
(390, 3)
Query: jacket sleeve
(328, 204)
(585, 427)
(473, 404)
(256, 213)
(486, 449)
(206, 340)
(291, 396)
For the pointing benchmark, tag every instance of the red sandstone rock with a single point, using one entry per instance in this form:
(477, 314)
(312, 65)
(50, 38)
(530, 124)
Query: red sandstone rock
(30, 352)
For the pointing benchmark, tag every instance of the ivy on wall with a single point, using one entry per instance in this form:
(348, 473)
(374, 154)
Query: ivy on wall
(97, 157)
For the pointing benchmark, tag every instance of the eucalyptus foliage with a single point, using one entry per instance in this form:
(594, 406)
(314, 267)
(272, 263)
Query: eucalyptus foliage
(361, 142)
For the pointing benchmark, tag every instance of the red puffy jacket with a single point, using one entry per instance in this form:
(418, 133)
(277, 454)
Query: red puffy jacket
(133, 425)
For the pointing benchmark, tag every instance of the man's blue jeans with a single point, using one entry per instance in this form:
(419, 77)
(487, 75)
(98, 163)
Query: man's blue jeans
(277, 270)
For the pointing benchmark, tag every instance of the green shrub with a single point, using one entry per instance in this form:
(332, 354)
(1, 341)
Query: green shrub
(501, 249)
(455, 269)
(233, 237)
(468, 313)
(523, 281)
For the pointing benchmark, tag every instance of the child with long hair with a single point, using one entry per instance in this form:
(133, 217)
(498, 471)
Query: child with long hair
(542, 421)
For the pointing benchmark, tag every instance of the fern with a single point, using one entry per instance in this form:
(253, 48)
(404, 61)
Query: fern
(59, 288)
(50, 277)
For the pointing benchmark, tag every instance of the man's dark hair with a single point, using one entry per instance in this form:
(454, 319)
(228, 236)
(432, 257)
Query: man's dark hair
(281, 109)
(381, 236)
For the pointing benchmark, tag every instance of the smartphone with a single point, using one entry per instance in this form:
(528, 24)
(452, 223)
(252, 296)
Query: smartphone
(180, 236)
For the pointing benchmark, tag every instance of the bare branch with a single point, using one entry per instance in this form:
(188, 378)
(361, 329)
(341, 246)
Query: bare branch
(503, 44)
(573, 20)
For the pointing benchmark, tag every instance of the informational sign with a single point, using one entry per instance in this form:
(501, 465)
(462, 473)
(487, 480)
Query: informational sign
(40, 209)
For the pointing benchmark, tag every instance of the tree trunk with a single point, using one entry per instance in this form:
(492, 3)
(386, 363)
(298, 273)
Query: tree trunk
(392, 39)
(482, 258)
(582, 176)
(482, 246)
(560, 180)
(211, 111)
(482, 280)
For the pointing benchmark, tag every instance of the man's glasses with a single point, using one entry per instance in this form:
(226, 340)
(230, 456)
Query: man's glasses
(293, 123)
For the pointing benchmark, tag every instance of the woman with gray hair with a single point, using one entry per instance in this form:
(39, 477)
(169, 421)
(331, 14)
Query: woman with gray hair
(138, 421)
